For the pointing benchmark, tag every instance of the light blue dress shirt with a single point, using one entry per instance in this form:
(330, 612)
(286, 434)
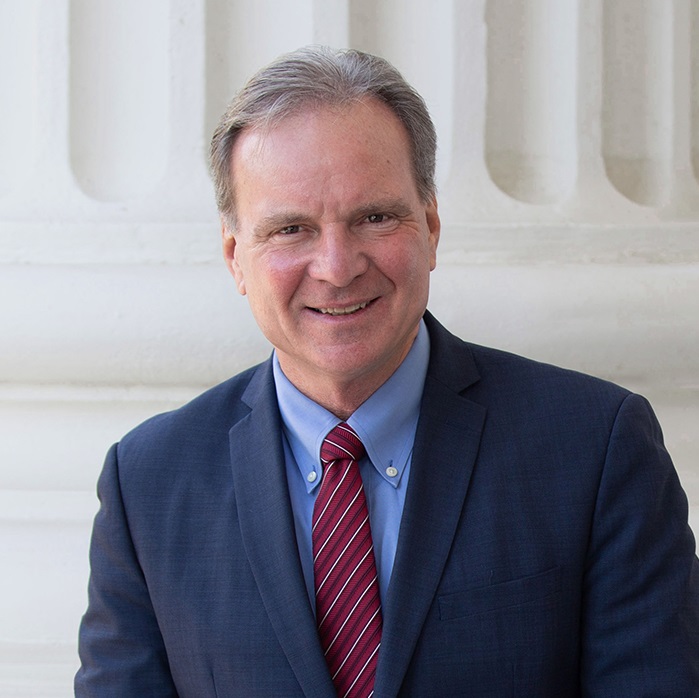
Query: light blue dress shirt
(386, 424)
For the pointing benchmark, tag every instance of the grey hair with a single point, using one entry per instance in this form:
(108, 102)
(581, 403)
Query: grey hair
(315, 76)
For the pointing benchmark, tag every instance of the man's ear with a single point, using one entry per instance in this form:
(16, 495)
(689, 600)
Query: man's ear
(229, 254)
(434, 226)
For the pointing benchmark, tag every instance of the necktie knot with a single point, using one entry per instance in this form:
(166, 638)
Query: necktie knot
(342, 443)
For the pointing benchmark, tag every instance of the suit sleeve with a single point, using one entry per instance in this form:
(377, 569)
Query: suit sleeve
(121, 649)
(641, 590)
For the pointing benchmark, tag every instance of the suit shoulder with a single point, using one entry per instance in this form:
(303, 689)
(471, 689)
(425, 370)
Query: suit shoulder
(505, 377)
(212, 412)
(518, 376)
(567, 414)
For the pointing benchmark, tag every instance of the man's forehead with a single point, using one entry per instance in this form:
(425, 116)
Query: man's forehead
(312, 152)
(374, 113)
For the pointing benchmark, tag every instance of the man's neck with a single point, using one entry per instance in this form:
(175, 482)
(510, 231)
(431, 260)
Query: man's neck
(341, 393)
(341, 398)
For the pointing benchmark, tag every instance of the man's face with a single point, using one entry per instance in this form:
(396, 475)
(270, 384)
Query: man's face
(333, 245)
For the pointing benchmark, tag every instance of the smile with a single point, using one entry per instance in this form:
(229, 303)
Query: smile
(342, 311)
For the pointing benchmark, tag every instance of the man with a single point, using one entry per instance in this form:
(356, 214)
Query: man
(513, 529)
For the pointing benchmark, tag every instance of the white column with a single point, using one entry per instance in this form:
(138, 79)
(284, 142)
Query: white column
(17, 55)
(530, 143)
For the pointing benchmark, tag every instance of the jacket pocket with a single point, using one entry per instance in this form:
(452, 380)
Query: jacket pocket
(511, 593)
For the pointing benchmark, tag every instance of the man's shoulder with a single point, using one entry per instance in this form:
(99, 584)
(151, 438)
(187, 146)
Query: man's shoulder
(514, 369)
(497, 375)
(212, 412)
(546, 406)
(544, 397)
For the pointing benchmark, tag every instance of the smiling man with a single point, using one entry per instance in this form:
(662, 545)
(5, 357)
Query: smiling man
(380, 508)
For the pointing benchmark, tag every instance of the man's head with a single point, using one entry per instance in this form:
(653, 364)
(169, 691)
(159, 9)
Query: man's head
(334, 237)
(315, 76)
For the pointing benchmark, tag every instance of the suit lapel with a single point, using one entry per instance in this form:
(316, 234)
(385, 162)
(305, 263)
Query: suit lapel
(446, 445)
(267, 529)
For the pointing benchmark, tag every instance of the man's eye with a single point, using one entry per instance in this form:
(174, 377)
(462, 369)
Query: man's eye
(377, 218)
(290, 230)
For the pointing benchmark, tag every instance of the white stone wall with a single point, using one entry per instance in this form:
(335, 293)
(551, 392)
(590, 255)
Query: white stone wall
(569, 190)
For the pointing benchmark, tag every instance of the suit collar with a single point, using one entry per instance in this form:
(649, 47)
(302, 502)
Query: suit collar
(451, 359)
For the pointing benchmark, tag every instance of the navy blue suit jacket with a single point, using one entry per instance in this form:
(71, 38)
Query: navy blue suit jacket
(543, 551)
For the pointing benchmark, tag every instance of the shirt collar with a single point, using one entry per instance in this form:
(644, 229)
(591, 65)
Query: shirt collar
(385, 422)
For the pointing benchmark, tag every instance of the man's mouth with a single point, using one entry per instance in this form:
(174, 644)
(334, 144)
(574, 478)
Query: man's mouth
(347, 310)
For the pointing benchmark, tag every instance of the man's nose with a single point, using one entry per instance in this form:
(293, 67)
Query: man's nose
(339, 257)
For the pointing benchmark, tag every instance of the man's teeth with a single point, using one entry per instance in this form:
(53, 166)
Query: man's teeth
(343, 311)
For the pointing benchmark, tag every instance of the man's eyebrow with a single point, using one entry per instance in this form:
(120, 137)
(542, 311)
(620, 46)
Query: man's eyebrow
(276, 221)
(397, 207)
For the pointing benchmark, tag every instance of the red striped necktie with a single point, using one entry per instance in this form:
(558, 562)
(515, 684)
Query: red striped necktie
(348, 607)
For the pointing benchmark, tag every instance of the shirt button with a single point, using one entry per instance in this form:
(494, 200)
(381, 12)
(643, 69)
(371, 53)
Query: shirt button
(311, 477)
(391, 471)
